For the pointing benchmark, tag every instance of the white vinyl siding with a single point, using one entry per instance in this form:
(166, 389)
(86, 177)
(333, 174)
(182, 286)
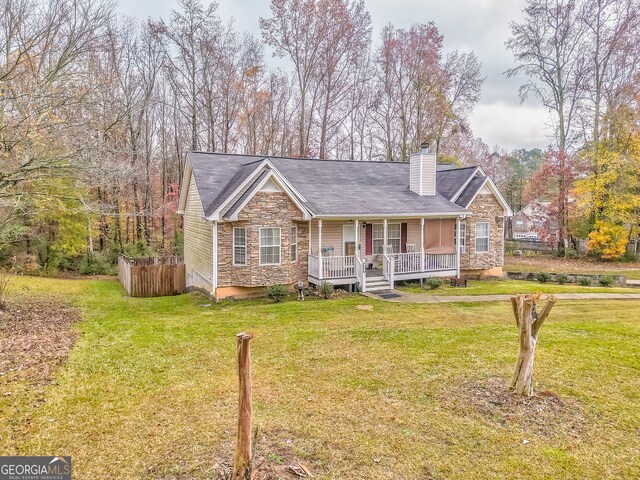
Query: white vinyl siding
(239, 246)
(270, 246)
(294, 243)
(482, 237)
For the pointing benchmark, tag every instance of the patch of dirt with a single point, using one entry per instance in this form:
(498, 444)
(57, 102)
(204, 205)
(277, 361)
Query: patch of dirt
(274, 459)
(552, 263)
(36, 335)
(545, 414)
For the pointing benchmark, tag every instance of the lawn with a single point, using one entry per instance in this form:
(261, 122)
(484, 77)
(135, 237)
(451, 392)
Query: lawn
(499, 287)
(395, 392)
(554, 264)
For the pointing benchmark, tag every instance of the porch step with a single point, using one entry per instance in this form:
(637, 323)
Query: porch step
(377, 278)
(378, 285)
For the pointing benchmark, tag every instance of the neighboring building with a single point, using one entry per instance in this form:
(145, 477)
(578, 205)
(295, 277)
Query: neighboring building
(252, 221)
(535, 223)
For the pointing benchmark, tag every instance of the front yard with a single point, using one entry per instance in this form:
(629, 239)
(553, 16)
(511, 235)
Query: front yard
(354, 388)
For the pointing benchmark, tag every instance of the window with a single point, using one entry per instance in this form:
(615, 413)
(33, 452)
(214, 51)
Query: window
(482, 237)
(393, 237)
(463, 236)
(519, 223)
(239, 246)
(294, 243)
(269, 246)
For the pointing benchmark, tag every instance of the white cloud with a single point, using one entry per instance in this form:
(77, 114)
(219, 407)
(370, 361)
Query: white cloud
(511, 125)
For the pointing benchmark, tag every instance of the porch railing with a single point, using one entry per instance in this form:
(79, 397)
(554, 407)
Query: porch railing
(439, 261)
(388, 267)
(361, 274)
(408, 262)
(399, 263)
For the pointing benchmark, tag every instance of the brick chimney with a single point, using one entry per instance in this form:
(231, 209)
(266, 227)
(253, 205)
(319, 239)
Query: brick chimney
(422, 168)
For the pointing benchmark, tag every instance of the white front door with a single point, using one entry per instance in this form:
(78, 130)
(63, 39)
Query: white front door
(348, 239)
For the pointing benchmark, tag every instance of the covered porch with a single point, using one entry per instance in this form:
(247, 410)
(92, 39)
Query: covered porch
(369, 252)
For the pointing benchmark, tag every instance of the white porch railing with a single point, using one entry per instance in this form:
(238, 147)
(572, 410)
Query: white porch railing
(332, 267)
(314, 266)
(399, 263)
(439, 261)
(388, 267)
(361, 274)
(408, 262)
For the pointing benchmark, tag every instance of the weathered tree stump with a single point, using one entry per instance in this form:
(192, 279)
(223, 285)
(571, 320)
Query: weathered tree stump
(242, 459)
(529, 323)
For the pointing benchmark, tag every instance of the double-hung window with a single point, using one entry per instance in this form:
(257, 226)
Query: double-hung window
(239, 246)
(463, 236)
(394, 234)
(270, 246)
(294, 243)
(482, 237)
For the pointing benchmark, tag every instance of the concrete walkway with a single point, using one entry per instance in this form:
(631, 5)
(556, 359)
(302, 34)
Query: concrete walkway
(426, 298)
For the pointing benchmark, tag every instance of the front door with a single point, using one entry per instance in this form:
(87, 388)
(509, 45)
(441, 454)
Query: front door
(348, 239)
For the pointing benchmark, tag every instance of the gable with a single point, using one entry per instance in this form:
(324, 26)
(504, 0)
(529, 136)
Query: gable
(266, 204)
(193, 202)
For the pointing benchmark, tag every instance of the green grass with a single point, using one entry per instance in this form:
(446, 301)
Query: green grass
(508, 287)
(149, 391)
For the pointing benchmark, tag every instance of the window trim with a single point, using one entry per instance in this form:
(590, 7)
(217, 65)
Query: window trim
(233, 252)
(292, 243)
(463, 236)
(279, 245)
(487, 237)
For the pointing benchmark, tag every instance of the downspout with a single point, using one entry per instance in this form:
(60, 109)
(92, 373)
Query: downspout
(214, 258)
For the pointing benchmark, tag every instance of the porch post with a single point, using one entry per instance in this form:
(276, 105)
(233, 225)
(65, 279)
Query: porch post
(357, 237)
(384, 244)
(458, 247)
(422, 244)
(320, 248)
(309, 237)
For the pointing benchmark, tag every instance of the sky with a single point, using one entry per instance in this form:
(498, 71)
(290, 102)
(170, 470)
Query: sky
(500, 118)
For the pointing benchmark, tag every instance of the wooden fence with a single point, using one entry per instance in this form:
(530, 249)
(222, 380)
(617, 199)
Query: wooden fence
(151, 276)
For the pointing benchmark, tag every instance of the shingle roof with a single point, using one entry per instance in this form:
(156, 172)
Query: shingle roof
(450, 180)
(330, 187)
(469, 192)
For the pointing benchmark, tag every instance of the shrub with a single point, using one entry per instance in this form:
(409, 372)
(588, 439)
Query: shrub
(543, 277)
(97, 264)
(606, 281)
(607, 241)
(277, 293)
(434, 282)
(584, 281)
(325, 289)
(562, 278)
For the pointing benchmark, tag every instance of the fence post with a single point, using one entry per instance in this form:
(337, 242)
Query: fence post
(242, 459)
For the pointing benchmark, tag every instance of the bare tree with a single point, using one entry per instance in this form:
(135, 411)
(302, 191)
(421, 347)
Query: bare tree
(550, 49)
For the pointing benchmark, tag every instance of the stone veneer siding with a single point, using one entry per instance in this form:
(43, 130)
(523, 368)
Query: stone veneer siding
(265, 209)
(485, 208)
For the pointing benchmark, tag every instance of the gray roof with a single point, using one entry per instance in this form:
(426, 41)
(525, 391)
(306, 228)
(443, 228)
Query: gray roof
(450, 180)
(329, 187)
(470, 191)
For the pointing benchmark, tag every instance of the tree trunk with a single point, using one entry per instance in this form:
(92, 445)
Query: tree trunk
(242, 460)
(529, 324)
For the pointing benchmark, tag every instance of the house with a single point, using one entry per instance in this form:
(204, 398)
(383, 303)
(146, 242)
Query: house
(254, 220)
(535, 223)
